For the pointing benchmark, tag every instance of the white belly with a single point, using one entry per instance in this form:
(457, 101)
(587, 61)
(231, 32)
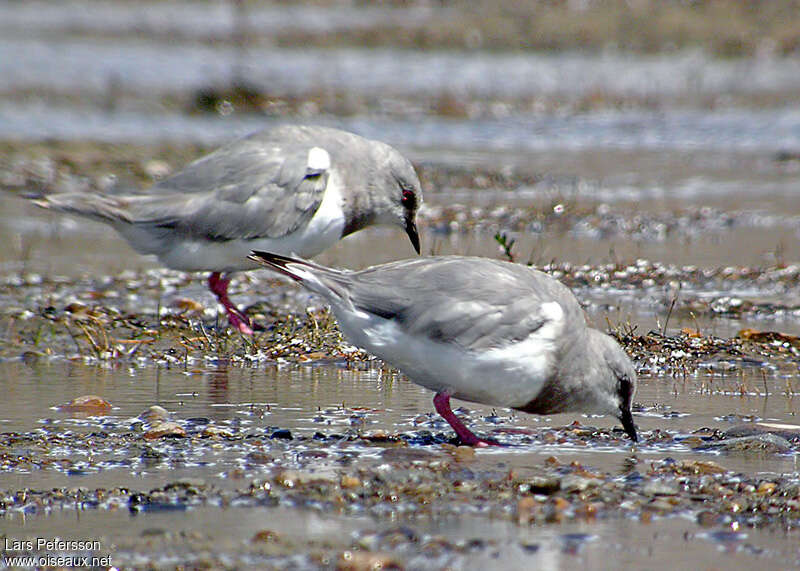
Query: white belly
(507, 377)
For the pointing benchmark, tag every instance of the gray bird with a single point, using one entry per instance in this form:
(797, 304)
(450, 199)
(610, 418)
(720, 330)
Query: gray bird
(292, 189)
(477, 329)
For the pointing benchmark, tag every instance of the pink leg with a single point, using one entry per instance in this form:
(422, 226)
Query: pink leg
(442, 403)
(219, 287)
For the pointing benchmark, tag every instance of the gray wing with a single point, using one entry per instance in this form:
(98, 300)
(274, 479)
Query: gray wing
(251, 188)
(473, 302)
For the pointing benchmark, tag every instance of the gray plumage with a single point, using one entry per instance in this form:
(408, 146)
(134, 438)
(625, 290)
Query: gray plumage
(520, 329)
(291, 189)
(259, 187)
(474, 303)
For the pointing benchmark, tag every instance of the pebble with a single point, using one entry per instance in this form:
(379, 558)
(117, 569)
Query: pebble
(155, 414)
(88, 404)
(659, 488)
(216, 432)
(365, 561)
(767, 443)
(349, 482)
(573, 483)
(265, 536)
(787, 431)
(464, 453)
(165, 429)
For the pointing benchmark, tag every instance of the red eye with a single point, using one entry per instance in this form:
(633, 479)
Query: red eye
(408, 198)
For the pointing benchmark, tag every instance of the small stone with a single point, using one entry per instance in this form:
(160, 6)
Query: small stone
(765, 443)
(693, 441)
(526, 510)
(407, 455)
(288, 478)
(187, 483)
(708, 519)
(259, 458)
(464, 453)
(572, 483)
(155, 414)
(704, 467)
(91, 404)
(235, 474)
(282, 433)
(185, 305)
(364, 561)
(588, 510)
(265, 536)
(350, 482)
(554, 509)
(216, 432)
(787, 431)
(659, 488)
(661, 505)
(544, 485)
(165, 430)
(766, 488)
(77, 309)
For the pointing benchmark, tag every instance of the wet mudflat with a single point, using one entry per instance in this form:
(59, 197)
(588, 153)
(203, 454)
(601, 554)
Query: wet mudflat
(653, 177)
(295, 449)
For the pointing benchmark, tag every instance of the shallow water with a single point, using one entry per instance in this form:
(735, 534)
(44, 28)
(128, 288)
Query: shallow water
(307, 399)
(562, 547)
(590, 546)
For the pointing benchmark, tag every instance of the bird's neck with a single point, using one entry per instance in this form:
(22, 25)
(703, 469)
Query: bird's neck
(355, 222)
(358, 207)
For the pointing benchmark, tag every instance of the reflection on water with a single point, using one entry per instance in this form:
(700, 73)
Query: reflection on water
(330, 399)
(661, 544)
(307, 399)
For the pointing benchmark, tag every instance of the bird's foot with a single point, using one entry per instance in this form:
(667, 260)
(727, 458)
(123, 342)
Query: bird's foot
(240, 322)
(442, 403)
(476, 441)
(218, 284)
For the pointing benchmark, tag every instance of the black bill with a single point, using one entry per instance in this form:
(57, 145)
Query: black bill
(413, 235)
(627, 423)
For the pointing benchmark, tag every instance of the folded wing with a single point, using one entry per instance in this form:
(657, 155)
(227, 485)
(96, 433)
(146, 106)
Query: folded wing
(450, 301)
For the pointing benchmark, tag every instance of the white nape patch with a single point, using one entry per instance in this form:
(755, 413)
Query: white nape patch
(318, 159)
(553, 311)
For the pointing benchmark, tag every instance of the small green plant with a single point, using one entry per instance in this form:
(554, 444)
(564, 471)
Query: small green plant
(506, 244)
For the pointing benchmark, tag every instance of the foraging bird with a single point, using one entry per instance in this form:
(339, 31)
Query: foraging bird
(291, 189)
(477, 329)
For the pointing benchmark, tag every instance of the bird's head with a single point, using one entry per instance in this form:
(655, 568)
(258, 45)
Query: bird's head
(620, 382)
(395, 193)
(405, 196)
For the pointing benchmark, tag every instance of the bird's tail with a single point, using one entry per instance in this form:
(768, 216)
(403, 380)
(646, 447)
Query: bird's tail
(97, 206)
(317, 278)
